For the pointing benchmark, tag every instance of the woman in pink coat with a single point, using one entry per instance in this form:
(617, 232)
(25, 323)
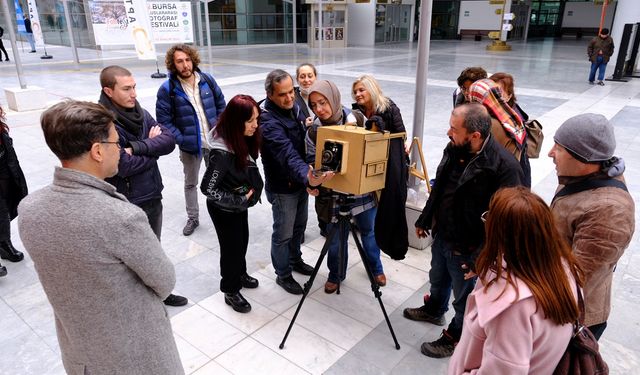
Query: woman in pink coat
(519, 317)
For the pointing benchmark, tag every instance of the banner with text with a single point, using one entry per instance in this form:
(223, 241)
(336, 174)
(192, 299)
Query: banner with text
(35, 23)
(170, 22)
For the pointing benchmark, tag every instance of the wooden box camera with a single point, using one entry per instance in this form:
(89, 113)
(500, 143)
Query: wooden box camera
(357, 156)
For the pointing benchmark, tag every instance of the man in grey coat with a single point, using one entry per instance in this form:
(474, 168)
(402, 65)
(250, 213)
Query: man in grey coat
(100, 264)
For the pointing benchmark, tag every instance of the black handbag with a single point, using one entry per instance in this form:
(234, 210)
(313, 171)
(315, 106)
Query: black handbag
(582, 356)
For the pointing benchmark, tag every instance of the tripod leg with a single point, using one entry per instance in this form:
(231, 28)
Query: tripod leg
(309, 283)
(374, 285)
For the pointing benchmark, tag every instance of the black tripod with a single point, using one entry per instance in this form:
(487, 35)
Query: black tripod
(344, 225)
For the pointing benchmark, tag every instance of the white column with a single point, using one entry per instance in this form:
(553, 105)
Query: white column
(627, 11)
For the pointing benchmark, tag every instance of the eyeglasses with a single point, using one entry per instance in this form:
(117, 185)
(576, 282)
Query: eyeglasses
(117, 143)
(484, 215)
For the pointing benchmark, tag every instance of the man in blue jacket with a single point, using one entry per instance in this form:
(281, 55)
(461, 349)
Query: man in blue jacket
(189, 104)
(141, 141)
(286, 177)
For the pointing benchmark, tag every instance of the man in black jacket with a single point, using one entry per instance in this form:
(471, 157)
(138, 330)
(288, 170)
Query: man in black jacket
(472, 169)
(141, 141)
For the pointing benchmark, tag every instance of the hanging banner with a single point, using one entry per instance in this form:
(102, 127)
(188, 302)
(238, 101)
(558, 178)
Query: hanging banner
(19, 17)
(35, 23)
(110, 22)
(140, 29)
(171, 22)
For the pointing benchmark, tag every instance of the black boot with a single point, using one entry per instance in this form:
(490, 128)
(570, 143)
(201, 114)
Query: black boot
(7, 251)
(237, 302)
(3, 270)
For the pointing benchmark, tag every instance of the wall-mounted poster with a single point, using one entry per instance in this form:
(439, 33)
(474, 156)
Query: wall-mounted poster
(328, 33)
(339, 33)
(109, 20)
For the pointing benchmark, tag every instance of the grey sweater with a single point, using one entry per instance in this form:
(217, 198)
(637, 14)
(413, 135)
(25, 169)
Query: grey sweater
(105, 275)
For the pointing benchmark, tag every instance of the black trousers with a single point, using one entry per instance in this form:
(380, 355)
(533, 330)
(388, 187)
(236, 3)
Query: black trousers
(2, 49)
(153, 209)
(5, 218)
(233, 235)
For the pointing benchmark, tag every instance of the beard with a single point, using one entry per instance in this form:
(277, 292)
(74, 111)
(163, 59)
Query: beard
(185, 74)
(462, 149)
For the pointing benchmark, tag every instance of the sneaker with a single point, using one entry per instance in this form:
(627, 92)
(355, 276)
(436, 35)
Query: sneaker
(3, 270)
(248, 281)
(289, 284)
(442, 347)
(420, 314)
(34, 51)
(592, 83)
(303, 268)
(175, 300)
(601, 83)
(381, 279)
(191, 225)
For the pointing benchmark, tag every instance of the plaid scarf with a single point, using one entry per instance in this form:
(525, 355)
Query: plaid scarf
(487, 93)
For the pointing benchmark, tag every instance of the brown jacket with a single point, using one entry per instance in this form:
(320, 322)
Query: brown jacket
(599, 224)
(502, 138)
(598, 44)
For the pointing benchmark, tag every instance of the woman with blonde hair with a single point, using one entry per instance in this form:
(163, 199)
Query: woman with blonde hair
(519, 317)
(382, 114)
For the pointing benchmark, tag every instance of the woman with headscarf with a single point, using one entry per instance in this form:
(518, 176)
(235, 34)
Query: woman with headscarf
(382, 114)
(325, 102)
(507, 126)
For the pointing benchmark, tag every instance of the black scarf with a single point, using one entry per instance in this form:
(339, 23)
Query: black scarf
(132, 120)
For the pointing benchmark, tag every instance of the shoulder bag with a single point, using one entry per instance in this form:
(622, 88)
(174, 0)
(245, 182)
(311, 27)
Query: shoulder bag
(582, 356)
(534, 138)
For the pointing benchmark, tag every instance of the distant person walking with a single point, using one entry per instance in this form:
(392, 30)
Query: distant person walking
(600, 50)
(2, 49)
(27, 26)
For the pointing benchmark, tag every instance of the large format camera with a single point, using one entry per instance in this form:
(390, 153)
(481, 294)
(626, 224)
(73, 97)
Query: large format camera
(356, 155)
(332, 156)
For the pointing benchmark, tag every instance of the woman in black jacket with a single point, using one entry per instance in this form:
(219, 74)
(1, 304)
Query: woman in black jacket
(382, 114)
(13, 188)
(232, 183)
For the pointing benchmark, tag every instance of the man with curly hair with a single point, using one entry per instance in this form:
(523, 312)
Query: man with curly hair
(189, 104)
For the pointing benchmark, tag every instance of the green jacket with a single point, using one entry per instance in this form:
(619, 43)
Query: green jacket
(598, 44)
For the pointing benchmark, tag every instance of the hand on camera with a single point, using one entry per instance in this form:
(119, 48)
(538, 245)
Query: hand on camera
(316, 180)
(375, 123)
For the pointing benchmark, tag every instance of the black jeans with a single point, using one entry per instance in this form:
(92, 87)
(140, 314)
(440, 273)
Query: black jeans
(5, 219)
(153, 209)
(3, 50)
(233, 235)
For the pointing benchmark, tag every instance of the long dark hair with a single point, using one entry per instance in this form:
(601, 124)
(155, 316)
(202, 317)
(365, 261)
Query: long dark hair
(230, 128)
(523, 242)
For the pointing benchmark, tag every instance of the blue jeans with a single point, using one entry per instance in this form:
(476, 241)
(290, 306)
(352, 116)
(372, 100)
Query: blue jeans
(365, 222)
(289, 222)
(446, 274)
(599, 64)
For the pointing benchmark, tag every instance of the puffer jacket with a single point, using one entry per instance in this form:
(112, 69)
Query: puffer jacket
(225, 184)
(283, 148)
(598, 44)
(175, 111)
(491, 169)
(138, 176)
(598, 224)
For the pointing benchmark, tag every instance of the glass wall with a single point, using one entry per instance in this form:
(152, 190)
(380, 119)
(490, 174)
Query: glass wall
(255, 22)
(230, 21)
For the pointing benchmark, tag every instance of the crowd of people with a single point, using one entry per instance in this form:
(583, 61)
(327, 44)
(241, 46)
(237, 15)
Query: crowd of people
(513, 263)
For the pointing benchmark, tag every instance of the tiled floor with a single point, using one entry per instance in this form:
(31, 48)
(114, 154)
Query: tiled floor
(334, 334)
